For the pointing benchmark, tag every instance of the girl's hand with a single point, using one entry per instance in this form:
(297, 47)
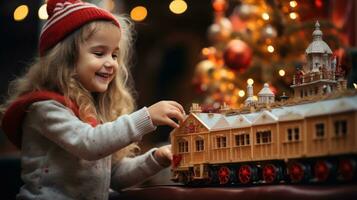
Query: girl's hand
(163, 155)
(161, 113)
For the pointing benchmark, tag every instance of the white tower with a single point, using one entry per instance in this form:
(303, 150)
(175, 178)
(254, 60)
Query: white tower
(266, 96)
(318, 53)
(250, 99)
(319, 74)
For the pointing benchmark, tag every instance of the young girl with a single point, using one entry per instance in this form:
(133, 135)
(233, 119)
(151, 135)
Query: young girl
(69, 112)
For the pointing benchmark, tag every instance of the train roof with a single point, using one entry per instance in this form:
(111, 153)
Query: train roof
(217, 121)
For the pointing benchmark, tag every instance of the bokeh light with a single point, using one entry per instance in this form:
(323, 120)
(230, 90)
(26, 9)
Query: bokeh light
(139, 13)
(21, 12)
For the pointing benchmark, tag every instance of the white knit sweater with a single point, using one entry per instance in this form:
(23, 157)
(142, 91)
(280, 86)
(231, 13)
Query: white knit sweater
(64, 158)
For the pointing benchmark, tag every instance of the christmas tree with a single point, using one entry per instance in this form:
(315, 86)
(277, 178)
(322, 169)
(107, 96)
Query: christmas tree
(258, 42)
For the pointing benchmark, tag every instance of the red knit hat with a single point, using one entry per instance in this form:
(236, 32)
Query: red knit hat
(65, 16)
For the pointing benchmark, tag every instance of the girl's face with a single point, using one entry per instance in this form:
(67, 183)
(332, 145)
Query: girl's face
(97, 61)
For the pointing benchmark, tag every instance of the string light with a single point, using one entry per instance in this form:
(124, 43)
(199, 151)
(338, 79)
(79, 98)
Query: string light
(139, 13)
(270, 49)
(241, 93)
(42, 12)
(178, 6)
(293, 15)
(250, 81)
(281, 72)
(21, 12)
(293, 4)
(205, 51)
(265, 16)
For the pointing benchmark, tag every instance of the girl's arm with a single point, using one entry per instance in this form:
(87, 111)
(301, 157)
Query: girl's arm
(57, 123)
(131, 171)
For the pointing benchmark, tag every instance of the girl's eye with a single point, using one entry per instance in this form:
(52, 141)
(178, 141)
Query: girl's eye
(98, 53)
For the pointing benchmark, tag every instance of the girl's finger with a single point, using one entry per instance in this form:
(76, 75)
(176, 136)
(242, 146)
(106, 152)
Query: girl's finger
(177, 105)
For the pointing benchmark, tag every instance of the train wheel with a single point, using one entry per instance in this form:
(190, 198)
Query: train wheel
(322, 170)
(270, 173)
(247, 174)
(346, 169)
(223, 175)
(297, 172)
(185, 177)
(212, 176)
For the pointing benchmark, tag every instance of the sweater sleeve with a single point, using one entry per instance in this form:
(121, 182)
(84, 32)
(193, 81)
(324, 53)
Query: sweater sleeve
(57, 123)
(131, 171)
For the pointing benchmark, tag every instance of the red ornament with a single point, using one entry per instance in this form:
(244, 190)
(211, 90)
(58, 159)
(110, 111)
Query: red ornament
(318, 3)
(237, 55)
(219, 5)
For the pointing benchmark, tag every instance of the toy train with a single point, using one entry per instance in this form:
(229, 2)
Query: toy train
(301, 143)
(310, 138)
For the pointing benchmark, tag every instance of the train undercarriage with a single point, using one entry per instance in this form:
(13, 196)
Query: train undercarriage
(337, 169)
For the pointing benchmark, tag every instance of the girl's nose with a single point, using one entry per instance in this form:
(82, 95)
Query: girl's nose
(110, 62)
(109, 66)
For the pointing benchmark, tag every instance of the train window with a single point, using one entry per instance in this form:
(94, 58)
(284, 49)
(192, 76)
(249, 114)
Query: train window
(242, 139)
(293, 134)
(247, 140)
(340, 128)
(182, 146)
(221, 141)
(263, 137)
(296, 134)
(199, 144)
(320, 130)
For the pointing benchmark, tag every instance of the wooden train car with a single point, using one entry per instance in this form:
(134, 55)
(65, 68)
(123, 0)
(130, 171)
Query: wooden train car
(309, 142)
(310, 139)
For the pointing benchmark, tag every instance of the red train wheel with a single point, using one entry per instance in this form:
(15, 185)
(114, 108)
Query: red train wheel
(245, 174)
(269, 173)
(223, 175)
(346, 169)
(296, 172)
(322, 170)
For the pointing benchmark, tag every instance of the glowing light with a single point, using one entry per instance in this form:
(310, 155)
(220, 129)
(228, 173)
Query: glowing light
(355, 85)
(250, 81)
(223, 87)
(293, 4)
(270, 49)
(178, 6)
(265, 16)
(216, 75)
(241, 93)
(205, 51)
(230, 86)
(139, 13)
(42, 12)
(230, 75)
(293, 15)
(255, 97)
(281, 72)
(21, 12)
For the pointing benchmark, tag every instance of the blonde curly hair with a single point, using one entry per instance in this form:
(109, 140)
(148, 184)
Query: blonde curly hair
(55, 71)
